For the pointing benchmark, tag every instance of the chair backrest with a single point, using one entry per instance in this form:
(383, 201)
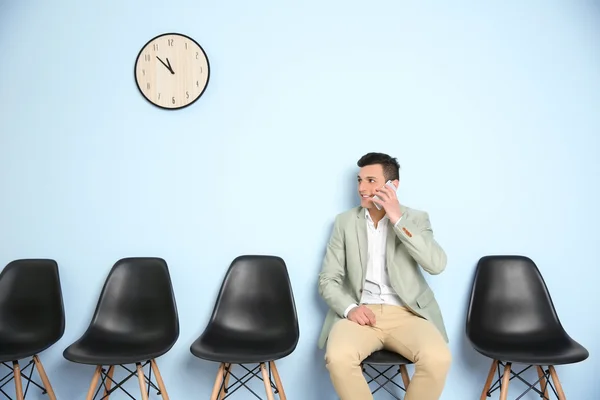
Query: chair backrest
(256, 300)
(138, 299)
(31, 301)
(510, 300)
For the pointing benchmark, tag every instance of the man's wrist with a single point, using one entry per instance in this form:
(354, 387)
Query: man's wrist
(350, 307)
(398, 220)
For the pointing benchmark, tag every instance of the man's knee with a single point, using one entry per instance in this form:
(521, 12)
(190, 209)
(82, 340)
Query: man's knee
(436, 360)
(348, 344)
(342, 358)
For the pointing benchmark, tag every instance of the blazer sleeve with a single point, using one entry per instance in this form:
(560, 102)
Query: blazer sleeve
(417, 235)
(333, 273)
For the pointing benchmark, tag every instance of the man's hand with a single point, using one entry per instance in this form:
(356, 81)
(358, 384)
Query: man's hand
(389, 202)
(362, 315)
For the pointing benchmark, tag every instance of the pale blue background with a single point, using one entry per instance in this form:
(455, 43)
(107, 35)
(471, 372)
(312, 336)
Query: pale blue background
(493, 109)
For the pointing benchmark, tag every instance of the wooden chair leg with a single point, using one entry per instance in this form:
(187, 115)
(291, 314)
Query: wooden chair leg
(405, 377)
(95, 378)
(108, 382)
(218, 381)
(44, 377)
(505, 382)
(267, 381)
(489, 380)
(159, 380)
(142, 380)
(18, 382)
(543, 384)
(277, 378)
(226, 369)
(557, 385)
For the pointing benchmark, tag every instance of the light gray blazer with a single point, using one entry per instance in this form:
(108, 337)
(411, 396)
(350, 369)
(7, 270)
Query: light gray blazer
(411, 248)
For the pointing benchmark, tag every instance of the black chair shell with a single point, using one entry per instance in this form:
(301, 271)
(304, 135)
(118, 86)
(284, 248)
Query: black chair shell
(32, 319)
(511, 315)
(32, 316)
(254, 318)
(511, 319)
(135, 319)
(254, 321)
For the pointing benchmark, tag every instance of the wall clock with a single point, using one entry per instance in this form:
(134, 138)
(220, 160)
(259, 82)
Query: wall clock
(172, 71)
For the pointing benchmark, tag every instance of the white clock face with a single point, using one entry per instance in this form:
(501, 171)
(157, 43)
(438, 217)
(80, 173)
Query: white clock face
(172, 71)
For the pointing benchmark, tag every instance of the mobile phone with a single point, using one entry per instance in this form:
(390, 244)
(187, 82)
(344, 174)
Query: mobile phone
(391, 185)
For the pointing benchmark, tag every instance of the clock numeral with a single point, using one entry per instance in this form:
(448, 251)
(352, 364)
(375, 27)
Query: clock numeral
(197, 84)
(170, 42)
(155, 46)
(187, 95)
(197, 55)
(173, 100)
(200, 69)
(147, 57)
(144, 72)
(186, 45)
(148, 85)
(159, 96)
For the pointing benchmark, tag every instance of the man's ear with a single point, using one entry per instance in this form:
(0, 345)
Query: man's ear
(396, 183)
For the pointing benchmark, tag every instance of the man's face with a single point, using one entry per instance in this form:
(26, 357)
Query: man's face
(370, 178)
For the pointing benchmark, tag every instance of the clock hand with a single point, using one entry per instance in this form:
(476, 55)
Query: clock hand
(171, 68)
(166, 66)
(162, 62)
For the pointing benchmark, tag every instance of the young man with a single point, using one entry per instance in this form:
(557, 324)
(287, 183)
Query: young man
(371, 279)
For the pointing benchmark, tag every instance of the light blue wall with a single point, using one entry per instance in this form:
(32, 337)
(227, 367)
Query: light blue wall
(493, 110)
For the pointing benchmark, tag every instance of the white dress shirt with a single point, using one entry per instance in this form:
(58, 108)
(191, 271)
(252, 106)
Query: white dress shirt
(377, 287)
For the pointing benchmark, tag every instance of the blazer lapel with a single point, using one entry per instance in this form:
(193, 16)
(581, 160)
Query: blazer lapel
(390, 245)
(361, 232)
(390, 250)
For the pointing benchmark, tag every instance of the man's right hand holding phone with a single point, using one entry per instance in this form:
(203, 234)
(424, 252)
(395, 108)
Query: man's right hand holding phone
(362, 315)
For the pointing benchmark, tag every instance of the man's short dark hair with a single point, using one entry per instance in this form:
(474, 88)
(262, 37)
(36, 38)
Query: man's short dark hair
(391, 168)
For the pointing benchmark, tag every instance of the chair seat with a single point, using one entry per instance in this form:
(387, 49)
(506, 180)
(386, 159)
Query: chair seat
(542, 351)
(386, 357)
(25, 346)
(241, 349)
(111, 349)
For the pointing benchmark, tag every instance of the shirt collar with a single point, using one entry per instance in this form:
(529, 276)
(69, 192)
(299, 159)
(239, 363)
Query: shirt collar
(368, 216)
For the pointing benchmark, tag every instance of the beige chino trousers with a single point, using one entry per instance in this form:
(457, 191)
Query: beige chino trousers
(396, 329)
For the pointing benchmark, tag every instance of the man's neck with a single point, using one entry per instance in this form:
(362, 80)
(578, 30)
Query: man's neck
(376, 215)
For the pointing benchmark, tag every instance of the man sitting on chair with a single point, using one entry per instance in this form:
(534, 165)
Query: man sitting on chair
(371, 279)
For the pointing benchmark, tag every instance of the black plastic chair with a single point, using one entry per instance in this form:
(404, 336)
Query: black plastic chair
(511, 319)
(135, 322)
(32, 319)
(254, 321)
(388, 360)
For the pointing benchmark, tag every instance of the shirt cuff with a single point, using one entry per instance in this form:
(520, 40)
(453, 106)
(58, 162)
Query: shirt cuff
(399, 219)
(350, 307)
